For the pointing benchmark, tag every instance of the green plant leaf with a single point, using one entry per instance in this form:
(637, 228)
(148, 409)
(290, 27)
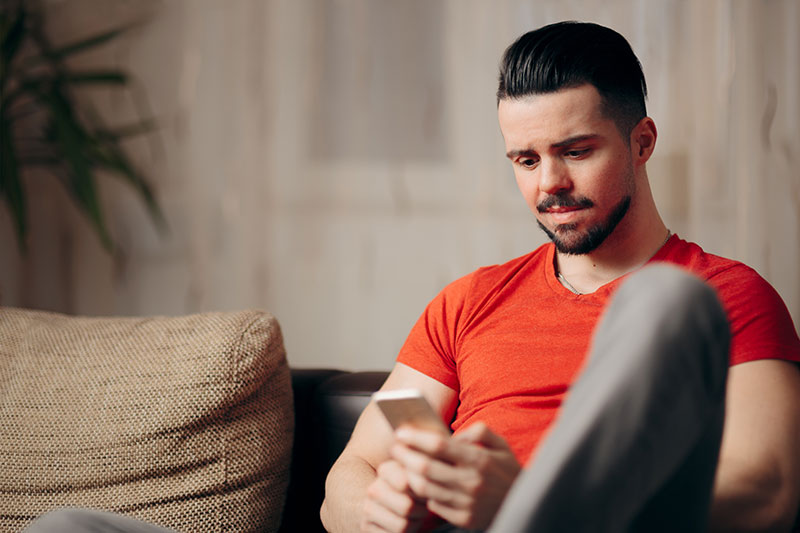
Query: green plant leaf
(129, 130)
(40, 161)
(12, 33)
(113, 77)
(11, 185)
(42, 82)
(58, 54)
(35, 85)
(88, 77)
(111, 157)
(25, 88)
(71, 140)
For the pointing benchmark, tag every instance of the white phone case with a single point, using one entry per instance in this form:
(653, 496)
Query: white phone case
(408, 406)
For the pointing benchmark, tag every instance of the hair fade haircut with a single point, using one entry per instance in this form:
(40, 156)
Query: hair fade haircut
(569, 54)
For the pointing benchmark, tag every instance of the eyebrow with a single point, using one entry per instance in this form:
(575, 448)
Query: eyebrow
(560, 144)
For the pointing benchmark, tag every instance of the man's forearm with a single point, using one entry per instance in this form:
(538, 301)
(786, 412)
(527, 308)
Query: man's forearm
(745, 502)
(345, 492)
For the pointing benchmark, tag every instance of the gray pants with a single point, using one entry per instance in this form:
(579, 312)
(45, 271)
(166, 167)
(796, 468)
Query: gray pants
(635, 447)
(70, 520)
(636, 444)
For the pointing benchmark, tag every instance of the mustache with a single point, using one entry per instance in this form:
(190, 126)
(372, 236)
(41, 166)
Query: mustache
(563, 200)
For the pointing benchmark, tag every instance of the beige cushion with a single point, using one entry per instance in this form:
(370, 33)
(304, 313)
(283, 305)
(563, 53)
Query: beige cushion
(186, 422)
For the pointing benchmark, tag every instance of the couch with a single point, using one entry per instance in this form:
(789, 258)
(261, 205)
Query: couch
(194, 422)
(327, 405)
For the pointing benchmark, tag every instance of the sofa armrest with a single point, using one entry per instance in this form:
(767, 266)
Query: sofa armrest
(327, 405)
(339, 402)
(185, 421)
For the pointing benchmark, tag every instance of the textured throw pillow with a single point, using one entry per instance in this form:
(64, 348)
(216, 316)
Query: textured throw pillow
(185, 422)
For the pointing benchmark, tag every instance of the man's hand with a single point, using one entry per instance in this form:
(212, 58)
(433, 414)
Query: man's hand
(390, 505)
(464, 478)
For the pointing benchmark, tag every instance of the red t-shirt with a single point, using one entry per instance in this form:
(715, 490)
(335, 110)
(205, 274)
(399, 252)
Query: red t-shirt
(510, 339)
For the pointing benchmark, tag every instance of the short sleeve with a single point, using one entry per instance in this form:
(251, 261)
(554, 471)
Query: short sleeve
(761, 326)
(431, 345)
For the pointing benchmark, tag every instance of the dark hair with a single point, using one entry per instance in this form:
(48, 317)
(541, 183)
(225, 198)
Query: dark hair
(569, 54)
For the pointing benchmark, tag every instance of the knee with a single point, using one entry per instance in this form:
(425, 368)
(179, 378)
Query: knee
(65, 519)
(686, 310)
(672, 289)
(677, 298)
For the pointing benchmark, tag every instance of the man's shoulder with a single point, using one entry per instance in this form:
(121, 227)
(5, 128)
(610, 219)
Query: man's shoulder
(490, 278)
(737, 284)
(492, 274)
(761, 325)
(707, 266)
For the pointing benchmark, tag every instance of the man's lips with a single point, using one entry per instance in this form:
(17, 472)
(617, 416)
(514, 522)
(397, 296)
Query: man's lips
(563, 209)
(564, 215)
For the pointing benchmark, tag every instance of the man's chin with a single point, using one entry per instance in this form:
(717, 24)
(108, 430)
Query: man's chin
(573, 246)
(568, 240)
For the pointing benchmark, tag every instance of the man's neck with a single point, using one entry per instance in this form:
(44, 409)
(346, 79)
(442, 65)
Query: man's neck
(617, 256)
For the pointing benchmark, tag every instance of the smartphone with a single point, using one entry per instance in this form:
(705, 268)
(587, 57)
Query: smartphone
(408, 406)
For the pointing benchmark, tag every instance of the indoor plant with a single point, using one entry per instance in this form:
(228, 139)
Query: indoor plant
(41, 125)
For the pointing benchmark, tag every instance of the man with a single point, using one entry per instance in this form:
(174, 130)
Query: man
(636, 443)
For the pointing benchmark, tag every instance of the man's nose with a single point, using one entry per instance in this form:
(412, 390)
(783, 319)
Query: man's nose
(554, 177)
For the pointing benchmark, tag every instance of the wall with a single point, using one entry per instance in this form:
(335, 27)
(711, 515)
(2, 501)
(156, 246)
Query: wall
(337, 162)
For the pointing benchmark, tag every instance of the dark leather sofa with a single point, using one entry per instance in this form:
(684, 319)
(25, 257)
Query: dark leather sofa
(327, 405)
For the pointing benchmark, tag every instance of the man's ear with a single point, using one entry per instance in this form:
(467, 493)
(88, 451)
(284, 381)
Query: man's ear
(643, 140)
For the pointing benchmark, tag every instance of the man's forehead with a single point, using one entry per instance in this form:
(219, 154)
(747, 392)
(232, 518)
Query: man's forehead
(553, 118)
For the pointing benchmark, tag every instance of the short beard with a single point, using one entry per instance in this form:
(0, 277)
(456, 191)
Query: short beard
(594, 237)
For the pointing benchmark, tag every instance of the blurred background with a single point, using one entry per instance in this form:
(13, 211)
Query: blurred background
(337, 162)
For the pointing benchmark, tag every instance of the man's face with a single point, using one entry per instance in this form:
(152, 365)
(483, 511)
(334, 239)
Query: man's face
(571, 164)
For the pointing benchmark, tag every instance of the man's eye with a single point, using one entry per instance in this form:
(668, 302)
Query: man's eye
(527, 162)
(577, 153)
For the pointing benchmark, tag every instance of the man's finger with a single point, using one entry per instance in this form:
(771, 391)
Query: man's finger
(431, 442)
(379, 518)
(432, 491)
(392, 473)
(454, 515)
(479, 433)
(426, 466)
(399, 503)
(442, 447)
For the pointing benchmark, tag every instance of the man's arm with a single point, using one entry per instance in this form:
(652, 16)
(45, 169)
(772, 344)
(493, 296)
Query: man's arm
(347, 506)
(757, 486)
